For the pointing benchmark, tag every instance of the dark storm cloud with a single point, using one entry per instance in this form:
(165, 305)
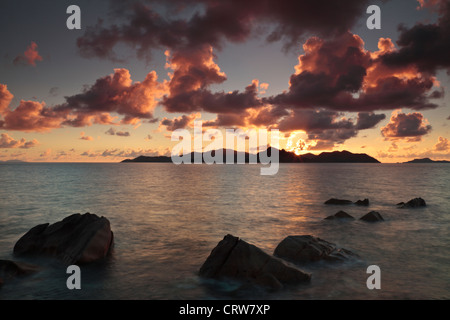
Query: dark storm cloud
(368, 120)
(411, 126)
(426, 46)
(216, 21)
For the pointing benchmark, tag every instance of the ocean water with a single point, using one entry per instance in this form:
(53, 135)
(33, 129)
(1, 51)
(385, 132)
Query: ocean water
(166, 219)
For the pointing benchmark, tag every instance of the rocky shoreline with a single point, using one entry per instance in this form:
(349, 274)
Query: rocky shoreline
(83, 239)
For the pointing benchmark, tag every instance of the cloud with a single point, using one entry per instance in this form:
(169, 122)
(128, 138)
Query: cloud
(5, 98)
(442, 145)
(213, 23)
(368, 120)
(194, 71)
(116, 93)
(54, 91)
(47, 153)
(424, 45)
(128, 153)
(122, 133)
(112, 95)
(29, 57)
(6, 141)
(84, 137)
(411, 126)
(113, 132)
(32, 116)
(181, 122)
(340, 74)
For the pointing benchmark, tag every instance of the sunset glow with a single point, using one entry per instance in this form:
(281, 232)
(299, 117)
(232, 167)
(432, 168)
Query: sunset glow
(101, 94)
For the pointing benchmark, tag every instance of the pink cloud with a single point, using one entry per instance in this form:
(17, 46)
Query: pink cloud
(29, 57)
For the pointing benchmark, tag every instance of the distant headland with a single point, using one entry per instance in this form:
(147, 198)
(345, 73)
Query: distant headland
(427, 160)
(284, 157)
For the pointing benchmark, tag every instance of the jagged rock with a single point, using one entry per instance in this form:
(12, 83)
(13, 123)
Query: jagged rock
(306, 248)
(413, 203)
(364, 202)
(236, 259)
(76, 239)
(338, 201)
(372, 216)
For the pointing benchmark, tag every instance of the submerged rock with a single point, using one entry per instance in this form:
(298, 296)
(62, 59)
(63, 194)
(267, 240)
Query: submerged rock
(364, 202)
(372, 216)
(76, 239)
(236, 259)
(413, 203)
(306, 248)
(338, 201)
(12, 269)
(340, 215)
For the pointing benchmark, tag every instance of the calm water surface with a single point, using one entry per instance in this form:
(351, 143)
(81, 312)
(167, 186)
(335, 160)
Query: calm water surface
(166, 219)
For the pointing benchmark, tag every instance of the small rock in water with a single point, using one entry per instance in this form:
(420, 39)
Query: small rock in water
(413, 203)
(364, 202)
(306, 248)
(340, 215)
(236, 259)
(372, 216)
(338, 201)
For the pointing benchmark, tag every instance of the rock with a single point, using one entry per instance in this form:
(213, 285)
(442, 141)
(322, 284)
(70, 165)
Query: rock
(340, 215)
(12, 269)
(372, 216)
(364, 202)
(306, 248)
(76, 239)
(236, 259)
(338, 201)
(413, 203)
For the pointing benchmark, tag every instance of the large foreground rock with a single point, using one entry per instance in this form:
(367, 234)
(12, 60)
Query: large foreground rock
(236, 259)
(11, 269)
(413, 203)
(76, 239)
(306, 248)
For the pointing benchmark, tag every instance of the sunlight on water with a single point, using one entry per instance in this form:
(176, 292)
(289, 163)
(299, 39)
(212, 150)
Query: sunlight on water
(166, 219)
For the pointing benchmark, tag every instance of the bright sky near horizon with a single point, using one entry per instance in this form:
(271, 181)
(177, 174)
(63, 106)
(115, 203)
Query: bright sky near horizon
(137, 70)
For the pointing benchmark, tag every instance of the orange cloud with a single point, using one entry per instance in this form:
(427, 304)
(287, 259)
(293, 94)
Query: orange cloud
(29, 57)
(84, 137)
(442, 145)
(6, 141)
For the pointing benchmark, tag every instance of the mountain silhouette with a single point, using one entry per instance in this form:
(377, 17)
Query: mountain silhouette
(284, 157)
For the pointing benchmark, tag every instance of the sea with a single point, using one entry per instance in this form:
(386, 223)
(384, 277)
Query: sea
(166, 220)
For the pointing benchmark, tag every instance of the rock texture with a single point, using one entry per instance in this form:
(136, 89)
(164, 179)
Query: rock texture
(11, 269)
(340, 215)
(76, 239)
(234, 258)
(338, 201)
(372, 216)
(413, 203)
(306, 248)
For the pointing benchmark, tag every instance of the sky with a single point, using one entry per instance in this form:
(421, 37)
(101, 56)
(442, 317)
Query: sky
(138, 70)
